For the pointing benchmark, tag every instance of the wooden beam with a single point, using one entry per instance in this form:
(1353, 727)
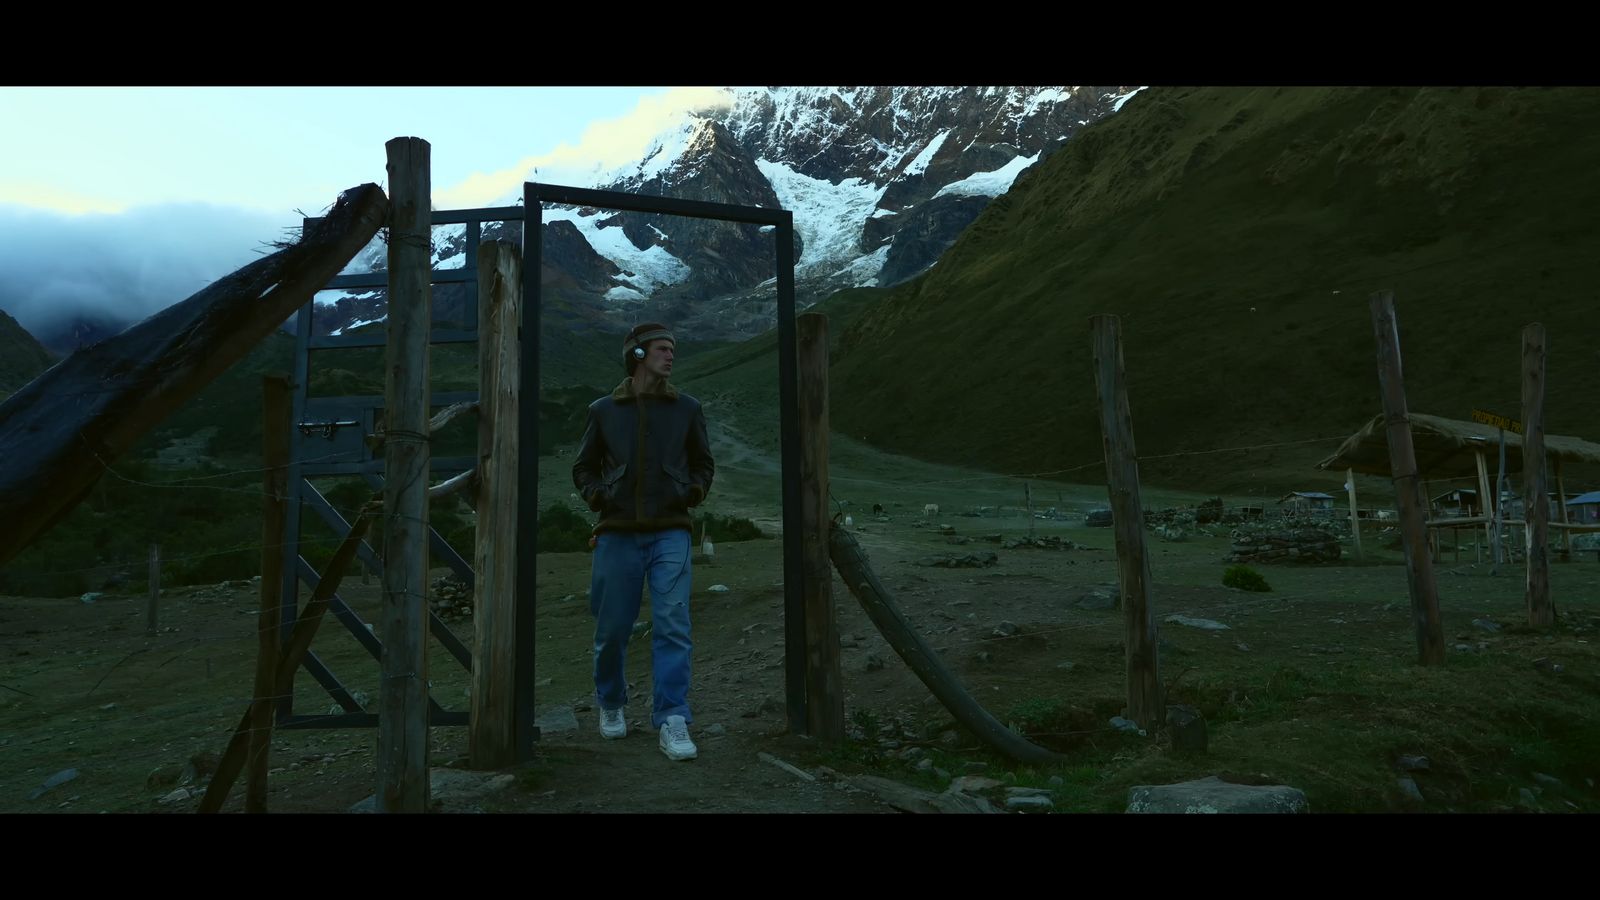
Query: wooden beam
(492, 724)
(1146, 705)
(824, 683)
(277, 399)
(1499, 508)
(924, 662)
(1355, 518)
(463, 483)
(1407, 485)
(402, 770)
(289, 659)
(1485, 501)
(436, 424)
(1566, 519)
(61, 431)
(1535, 493)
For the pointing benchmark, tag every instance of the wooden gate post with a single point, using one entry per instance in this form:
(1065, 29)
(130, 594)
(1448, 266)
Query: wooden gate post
(1407, 484)
(1141, 648)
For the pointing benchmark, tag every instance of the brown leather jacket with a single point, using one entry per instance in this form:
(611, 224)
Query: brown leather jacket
(643, 461)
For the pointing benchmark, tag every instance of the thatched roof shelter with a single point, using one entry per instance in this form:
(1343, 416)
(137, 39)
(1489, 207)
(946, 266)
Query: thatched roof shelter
(1448, 448)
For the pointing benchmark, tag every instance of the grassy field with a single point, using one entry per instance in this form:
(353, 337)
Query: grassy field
(1314, 684)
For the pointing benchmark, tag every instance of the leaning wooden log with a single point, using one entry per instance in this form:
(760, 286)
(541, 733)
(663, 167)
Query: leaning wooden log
(63, 429)
(465, 484)
(289, 659)
(880, 607)
(443, 417)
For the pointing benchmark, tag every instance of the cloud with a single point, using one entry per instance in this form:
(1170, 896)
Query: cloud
(121, 266)
(603, 147)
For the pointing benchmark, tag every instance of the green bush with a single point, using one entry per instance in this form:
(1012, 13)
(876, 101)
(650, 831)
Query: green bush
(563, 530)
(1245, 579)
(722, 529)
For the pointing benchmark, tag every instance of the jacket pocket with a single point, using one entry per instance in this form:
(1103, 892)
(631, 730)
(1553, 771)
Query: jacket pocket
(608, 484)
(678, 481)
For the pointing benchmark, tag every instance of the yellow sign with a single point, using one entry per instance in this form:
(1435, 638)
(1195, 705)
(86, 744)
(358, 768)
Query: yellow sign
(1489, 418)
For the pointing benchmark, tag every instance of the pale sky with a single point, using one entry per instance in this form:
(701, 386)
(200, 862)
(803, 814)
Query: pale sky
(165, 189)
(77, 150)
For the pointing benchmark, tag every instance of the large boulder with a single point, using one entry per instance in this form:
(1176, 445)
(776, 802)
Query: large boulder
(1213, 795)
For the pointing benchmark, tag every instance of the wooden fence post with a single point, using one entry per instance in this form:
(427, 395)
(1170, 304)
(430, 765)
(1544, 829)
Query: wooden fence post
(153, 604)
(1141, 649)
(1485, 504)
(402, 768)
(824, 683)
(1566, 518)
(1535, 495)
(492, 738)
(276, 400)
(1408, 489)
(1355, 517)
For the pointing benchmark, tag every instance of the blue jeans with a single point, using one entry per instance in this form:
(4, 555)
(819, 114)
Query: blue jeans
(622, 562)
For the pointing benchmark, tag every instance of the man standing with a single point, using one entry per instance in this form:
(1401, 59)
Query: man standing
(644, 461)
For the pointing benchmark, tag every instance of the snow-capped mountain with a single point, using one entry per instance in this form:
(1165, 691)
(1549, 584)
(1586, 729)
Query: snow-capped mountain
(880, 181)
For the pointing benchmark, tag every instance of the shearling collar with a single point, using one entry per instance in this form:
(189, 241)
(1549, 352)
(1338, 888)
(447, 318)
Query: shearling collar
(624, 391)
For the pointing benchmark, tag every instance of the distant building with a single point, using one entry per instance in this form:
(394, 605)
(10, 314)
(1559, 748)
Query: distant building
(1306, 503)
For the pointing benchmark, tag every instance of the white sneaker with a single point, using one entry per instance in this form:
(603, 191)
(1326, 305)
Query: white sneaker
(612, 724)
(675, 741)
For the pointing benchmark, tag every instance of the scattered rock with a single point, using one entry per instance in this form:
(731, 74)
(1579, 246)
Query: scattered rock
(1005, 629)
(1487, 624)
(970, 561)
(1028, 802)
(200, 767)
(1066, 666)
(1096, 599)
(1549, 666)
(716, 730)
(1463, 648)
(1409, 790)
(1242, 647)
(1213, 795)
(1187, 728)
(1057, 780)
(177, 796)
(1412, 763)
(53, 782)
(557, 720)
(718, 589)
(1192, 622)
(924, 764)
(1127, 726)
(973, 784)
(1527, 798)
(91, 597)
(874, 662)
(1549, 781)
(164, 776)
